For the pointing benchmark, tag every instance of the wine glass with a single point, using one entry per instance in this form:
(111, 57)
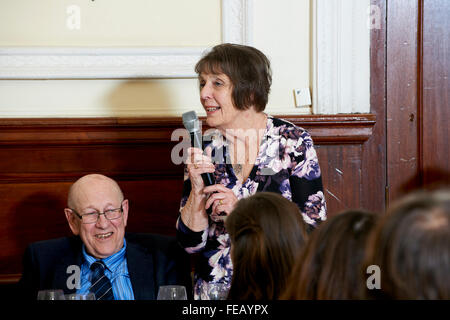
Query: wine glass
(217, 291)
(80, 296)
(172, 293)
(50, 295)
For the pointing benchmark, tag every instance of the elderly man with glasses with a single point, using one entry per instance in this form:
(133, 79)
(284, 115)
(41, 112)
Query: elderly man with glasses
(101, 258)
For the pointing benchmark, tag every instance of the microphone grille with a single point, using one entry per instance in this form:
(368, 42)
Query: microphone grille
(190, 121)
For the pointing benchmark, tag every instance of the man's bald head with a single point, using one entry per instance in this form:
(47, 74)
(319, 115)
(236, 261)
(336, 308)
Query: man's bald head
(97, 194)
(91, 182)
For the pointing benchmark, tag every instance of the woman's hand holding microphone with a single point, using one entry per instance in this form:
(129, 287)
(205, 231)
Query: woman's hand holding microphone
(221, 199)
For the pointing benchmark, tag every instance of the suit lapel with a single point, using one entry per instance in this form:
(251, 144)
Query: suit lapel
(74, 257)
(140, 269)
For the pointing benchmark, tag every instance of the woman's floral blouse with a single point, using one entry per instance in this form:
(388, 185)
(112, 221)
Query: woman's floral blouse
(286, 164)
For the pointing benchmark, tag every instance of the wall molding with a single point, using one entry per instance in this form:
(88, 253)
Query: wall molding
(325, 129)
(53, 135)
(97, 63)
(7, 279)
(237, 19)
(116, 63)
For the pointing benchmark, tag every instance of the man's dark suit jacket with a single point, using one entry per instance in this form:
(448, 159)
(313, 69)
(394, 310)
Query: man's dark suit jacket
(153, 260)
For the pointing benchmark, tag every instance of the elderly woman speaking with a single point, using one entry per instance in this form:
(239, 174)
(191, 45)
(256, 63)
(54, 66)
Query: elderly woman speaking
(252, 152)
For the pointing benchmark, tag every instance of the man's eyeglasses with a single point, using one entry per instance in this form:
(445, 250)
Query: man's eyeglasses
(93, 217)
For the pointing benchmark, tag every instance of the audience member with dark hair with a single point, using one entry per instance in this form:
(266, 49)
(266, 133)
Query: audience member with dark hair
(267, 234)
(329, 267)
(411, 246)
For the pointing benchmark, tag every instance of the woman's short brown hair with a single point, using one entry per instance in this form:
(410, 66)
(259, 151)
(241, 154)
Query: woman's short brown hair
(267, 234)
(248, 69)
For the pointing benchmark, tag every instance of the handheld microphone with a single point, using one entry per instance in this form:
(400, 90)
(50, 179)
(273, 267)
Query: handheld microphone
(192, 124)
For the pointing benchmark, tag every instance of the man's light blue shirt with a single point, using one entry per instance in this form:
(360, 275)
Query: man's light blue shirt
(116, 271)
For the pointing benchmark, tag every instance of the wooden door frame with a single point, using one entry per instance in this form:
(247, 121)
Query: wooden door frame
(415, 95)
(374, 150)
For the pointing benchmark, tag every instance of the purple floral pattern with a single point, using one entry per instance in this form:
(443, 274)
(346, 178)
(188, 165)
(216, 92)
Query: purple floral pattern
(286, 164)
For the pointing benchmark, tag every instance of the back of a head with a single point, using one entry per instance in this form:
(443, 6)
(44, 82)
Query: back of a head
(267, 234)
(412, 248)
(330, 264)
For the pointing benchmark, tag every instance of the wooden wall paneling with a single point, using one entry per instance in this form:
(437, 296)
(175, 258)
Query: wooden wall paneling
(417, 95)
(435, 88)
(40, 158)
(58, 162)
(30, 212)
(154, 204)
(373, 175)
(402, 103)
(341, 172)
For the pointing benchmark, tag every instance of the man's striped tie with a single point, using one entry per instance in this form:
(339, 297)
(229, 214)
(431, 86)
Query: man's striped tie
(100, 284)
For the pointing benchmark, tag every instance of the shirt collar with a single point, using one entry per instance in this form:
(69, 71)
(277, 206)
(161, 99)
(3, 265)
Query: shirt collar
(111, 262)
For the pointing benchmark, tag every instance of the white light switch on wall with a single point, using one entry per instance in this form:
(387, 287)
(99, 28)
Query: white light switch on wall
(302, 97)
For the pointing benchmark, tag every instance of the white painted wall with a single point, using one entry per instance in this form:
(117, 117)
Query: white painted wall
(281, 29)
(131, 23)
